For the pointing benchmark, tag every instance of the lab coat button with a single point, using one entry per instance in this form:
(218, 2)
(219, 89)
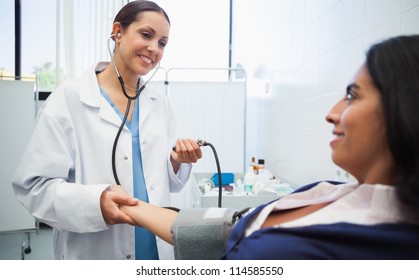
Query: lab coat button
(145, 141)
(125, 157)
(128, 257)
(152, 188)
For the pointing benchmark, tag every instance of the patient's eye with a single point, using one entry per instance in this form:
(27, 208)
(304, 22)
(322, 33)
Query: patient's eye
(350, 94)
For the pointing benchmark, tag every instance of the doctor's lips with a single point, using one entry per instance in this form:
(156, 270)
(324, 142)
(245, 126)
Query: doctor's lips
(146, 59)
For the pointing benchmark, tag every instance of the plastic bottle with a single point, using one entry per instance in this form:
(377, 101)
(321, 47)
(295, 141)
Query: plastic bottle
(261, 164)
(253, 161)
(250, 179)
(253, 164)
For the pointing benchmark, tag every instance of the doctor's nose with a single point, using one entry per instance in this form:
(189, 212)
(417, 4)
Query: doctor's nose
(153, 47)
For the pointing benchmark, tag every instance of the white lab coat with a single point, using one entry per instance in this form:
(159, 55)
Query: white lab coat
(67, 165)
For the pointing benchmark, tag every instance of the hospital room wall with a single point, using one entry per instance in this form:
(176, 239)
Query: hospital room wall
(299, 56)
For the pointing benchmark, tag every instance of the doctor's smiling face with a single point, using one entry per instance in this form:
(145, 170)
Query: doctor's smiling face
(360, 144)
(140, 46)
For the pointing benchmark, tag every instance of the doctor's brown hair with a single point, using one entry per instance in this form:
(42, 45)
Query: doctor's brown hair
(131, 12)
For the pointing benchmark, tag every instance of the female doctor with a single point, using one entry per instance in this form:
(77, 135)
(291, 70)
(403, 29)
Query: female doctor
(66, 178)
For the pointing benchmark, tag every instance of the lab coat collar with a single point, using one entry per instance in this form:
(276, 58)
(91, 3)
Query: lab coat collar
(90, 95)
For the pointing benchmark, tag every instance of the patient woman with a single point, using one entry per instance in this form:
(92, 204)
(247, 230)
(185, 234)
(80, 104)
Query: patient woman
(376, 139)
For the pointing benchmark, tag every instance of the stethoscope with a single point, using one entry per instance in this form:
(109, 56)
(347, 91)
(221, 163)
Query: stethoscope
(138, 91)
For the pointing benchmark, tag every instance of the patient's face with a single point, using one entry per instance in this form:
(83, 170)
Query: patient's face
(359, 145)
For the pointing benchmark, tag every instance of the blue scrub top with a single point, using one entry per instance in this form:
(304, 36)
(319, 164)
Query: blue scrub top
(145, 241)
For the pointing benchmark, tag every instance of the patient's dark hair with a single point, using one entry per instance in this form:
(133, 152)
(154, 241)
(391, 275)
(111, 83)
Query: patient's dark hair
(130, 12)
(394, 68)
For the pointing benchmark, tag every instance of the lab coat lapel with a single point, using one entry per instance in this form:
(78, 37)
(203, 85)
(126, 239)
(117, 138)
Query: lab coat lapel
(91, 96)
(146, 104)
(107, 113)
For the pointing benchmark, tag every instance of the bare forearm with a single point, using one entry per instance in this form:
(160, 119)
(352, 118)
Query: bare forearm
(156, 219)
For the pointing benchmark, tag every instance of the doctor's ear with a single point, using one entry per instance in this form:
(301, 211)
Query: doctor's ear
(117, 29)
(118, 37)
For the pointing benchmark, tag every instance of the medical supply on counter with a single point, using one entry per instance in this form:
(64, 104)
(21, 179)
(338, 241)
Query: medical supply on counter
(253, 162)
(205, 185)
(236, 199)
(260, 165)
(250, 179)
(254, 165)
(227, 179)
(249, 184)
(265, 176)
(238, 187)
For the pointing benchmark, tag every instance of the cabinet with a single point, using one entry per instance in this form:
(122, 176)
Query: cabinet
(17, 118)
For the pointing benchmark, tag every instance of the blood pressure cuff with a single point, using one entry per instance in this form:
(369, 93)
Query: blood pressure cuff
(201, 233)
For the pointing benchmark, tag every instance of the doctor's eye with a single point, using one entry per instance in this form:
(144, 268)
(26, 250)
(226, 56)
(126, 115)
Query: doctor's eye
(146, 35)
(162, 44)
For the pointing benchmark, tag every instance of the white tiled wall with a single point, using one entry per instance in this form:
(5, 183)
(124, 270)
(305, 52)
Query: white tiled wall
(310, 49)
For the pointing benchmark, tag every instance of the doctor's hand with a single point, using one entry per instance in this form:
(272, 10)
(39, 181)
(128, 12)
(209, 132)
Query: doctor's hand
(110, 200)
(186, 151)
